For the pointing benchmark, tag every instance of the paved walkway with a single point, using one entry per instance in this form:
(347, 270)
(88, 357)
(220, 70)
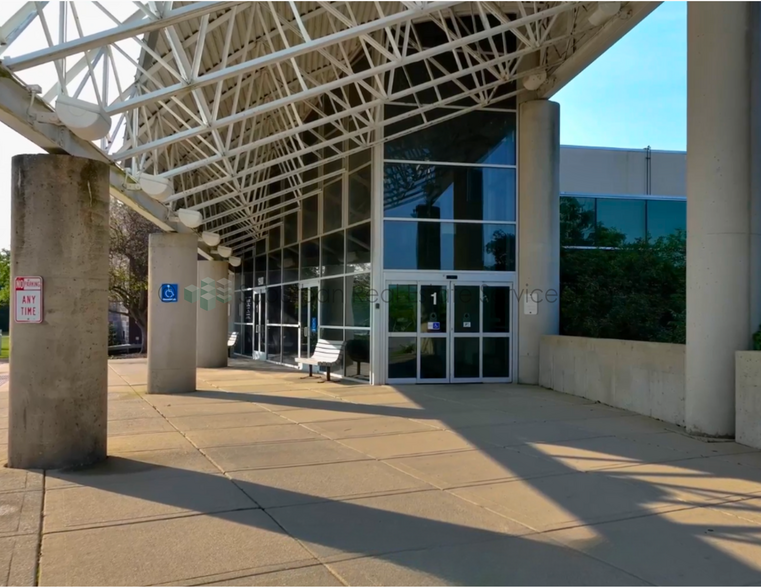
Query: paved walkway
(261, 478)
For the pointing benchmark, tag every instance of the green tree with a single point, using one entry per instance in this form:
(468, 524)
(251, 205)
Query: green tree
(5, 277)
(128, 272)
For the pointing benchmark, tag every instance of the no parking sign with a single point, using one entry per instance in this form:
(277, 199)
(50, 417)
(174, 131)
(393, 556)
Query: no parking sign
(28, 300)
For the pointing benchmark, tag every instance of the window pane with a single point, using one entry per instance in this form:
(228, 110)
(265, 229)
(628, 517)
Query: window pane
(248, 343)
(290, 304)
(309, 208)
(291, 228)
(358, 249)
(310, 259)
(480, 136)
(274, 238)
(402, 357)
(248, 271)
(331, 298)
(357, 356)
(450, 193)
(449, 246)
(359, 158)
(617, 219)
(273, 305)
(358, 301)
(332, 198)
(290, 345)
(273, 343)
(261, 246)
(333, 254)
(359, 195)
(496, 357)
(274, 268)
(496, 303)
(261, 270)
(577, 222)
(402, 308)
(433, 357)
(665, 217)
(466, 357)
(336, 335)
(291, 264)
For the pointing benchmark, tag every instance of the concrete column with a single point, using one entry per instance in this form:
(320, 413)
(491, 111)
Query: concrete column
(718, 210)
(211, 339)
(59, 370)
(538, 231)
(172, 325)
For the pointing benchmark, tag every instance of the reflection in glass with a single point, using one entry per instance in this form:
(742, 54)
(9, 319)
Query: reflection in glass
(333, 254)
(291, 264)
(433, 309)
(402, 357)
(577, 221)
(290, 345)
(291, 228)
(274, 267)
(358, 248)
(336, 335)
(248, 345)
(260, 273)
(359, 195)
(433, 357)
(309, 211)
(310, 259)
(273, 305)
(448, 192)
(290, 304)
(496, 305)
(466, 357)
(331, 297)
(273, 239)
(248, 271)
(621, 216)
(665, 217)
(402, 308)
(358, 300)
(357, 356)
(480, 136)
(273, 343)
(332, 209)
(496, 357)
(448, 246)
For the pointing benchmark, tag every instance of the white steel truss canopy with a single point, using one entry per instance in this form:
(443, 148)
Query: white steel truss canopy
(240, 103)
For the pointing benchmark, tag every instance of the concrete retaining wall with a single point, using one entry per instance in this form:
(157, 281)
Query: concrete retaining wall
(647, 378)
(748, 398)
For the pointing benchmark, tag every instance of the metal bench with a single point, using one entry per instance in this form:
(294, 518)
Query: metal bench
(325, 355)
(231, 342)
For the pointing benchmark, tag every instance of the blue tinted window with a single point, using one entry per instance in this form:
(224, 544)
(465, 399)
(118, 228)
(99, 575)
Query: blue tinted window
(577, 221)
(448, 192)
(616, 217)
(665, 217)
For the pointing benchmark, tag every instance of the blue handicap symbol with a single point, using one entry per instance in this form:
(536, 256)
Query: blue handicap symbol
(168, 292)
(314, 324)
(436, 327)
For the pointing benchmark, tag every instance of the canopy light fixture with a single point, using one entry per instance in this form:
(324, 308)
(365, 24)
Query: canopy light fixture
(224, 251)
(156, 187)
(84, 119)
(234, 261)
(211, 239)
(190, 218)
(605, 10)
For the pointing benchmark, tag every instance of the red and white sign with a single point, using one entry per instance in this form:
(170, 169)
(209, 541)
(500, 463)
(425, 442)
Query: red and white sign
(28, 308)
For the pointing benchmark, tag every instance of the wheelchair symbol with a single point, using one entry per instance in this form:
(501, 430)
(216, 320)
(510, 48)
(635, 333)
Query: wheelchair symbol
(168, 293)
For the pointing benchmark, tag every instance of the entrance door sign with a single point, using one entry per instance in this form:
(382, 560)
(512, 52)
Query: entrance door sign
(29, 292)
(168, 293)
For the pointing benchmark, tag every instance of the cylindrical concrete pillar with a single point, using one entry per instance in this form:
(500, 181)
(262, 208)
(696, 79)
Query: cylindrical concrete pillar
(59, 370)
(718, 210)
(172, 325)
(211, 338)
(538, 287)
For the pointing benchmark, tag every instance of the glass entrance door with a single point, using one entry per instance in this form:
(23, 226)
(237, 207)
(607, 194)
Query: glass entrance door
(308, 319)
(258, 305)
(448, 331)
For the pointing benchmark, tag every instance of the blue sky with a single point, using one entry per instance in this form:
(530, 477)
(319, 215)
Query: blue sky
(634, 95)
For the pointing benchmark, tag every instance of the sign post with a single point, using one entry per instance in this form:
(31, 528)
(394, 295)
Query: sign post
(28, 301)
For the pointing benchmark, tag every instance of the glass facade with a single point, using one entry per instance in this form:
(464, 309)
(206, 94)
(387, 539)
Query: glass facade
(594, 221)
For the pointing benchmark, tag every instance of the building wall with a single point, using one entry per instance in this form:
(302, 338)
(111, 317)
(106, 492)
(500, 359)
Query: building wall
(646, 378)
(596, 170)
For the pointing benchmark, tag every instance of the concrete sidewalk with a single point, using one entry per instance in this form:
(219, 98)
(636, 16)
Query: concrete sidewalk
(262, 478)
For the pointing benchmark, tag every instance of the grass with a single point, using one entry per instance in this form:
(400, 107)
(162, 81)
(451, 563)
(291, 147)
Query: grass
(5, 350)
